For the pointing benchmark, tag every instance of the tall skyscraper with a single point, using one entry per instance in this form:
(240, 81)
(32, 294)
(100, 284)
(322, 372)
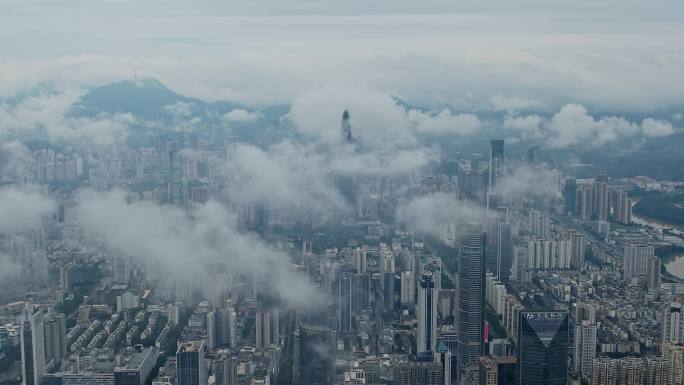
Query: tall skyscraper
(55, 338)
(32, 346)
(388, 290)
(585, 348)
(653, 273)
(175, 175)
(543, 348)
(427, 314)
(534, 154)
(190, 365)
(471, 297)
(221, 327)
(408, 288)
(569, 192)
(345, 128)
(121, 268)
(224, 367)
(349, 288)
(267, 333)
(636, 259)
(496, 169)
(314, 355)
(621, 206)
(584, 199)
(600, 199)
(499, 249)
(673, 323)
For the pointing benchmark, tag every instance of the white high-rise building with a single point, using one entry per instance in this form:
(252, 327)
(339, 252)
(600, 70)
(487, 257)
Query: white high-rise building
(32, 346)
(408, 287)
(263, 329)
(673, 324)
(636, 260)
(173, 313)
(55, 338)
(122, 266)
(585, 348)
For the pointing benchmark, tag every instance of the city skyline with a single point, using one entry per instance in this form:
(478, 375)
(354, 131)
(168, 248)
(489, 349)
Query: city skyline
(306, 192)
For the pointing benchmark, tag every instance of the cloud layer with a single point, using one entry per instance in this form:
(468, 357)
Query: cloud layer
(573, 125)
(188, 243)
(45, 116)
(23, 209)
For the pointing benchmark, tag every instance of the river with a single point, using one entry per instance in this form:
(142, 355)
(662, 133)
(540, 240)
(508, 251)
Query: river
(675, 265)
(656, 224)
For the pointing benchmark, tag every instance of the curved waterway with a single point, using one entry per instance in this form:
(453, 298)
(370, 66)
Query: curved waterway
(675, 265)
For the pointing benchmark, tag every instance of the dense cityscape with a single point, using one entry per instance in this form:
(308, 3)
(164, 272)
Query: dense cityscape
(527, 284)
(338, 200)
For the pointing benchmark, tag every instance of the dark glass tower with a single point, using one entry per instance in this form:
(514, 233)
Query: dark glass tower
(427, 314)
(314, 355)
(543, 348)
(345, 128)
(569, 195)
(471, 297)
(190, 369)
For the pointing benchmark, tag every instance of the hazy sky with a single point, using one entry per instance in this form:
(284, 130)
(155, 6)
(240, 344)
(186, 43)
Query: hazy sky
(617, 56)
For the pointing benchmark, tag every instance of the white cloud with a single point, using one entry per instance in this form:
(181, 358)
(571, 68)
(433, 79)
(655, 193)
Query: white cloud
(573, 126)
(656, 128)
(45, 116)
(241, 116)
(376, 119)
(427, 214)
(277, 51)
(189, 243)
(514, 104)
(445, 123)
(23, 209)
(528, 125)
(299, 178)
(14, 157)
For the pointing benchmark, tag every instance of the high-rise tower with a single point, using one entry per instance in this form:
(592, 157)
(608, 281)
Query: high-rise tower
(345, 128)
(175, 175)
(314, 355)
(32, 346)
(496, 170)
(543, 348)
(427, 313)
(471, 297)
(190, 365)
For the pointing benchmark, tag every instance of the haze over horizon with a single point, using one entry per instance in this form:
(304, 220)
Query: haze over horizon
(338, 192)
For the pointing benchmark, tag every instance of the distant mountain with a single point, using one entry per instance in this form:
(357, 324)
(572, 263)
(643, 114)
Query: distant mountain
(148, 99)
(153, 102)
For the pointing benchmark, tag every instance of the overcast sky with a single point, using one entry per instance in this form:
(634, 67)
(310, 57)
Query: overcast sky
(614, 56)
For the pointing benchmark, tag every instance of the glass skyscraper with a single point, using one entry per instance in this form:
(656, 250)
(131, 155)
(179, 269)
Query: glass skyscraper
(543, 348)
(471, 297)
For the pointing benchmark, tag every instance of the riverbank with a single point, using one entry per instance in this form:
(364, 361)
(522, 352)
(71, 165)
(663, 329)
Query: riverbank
(662, 211)
(672, 262)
